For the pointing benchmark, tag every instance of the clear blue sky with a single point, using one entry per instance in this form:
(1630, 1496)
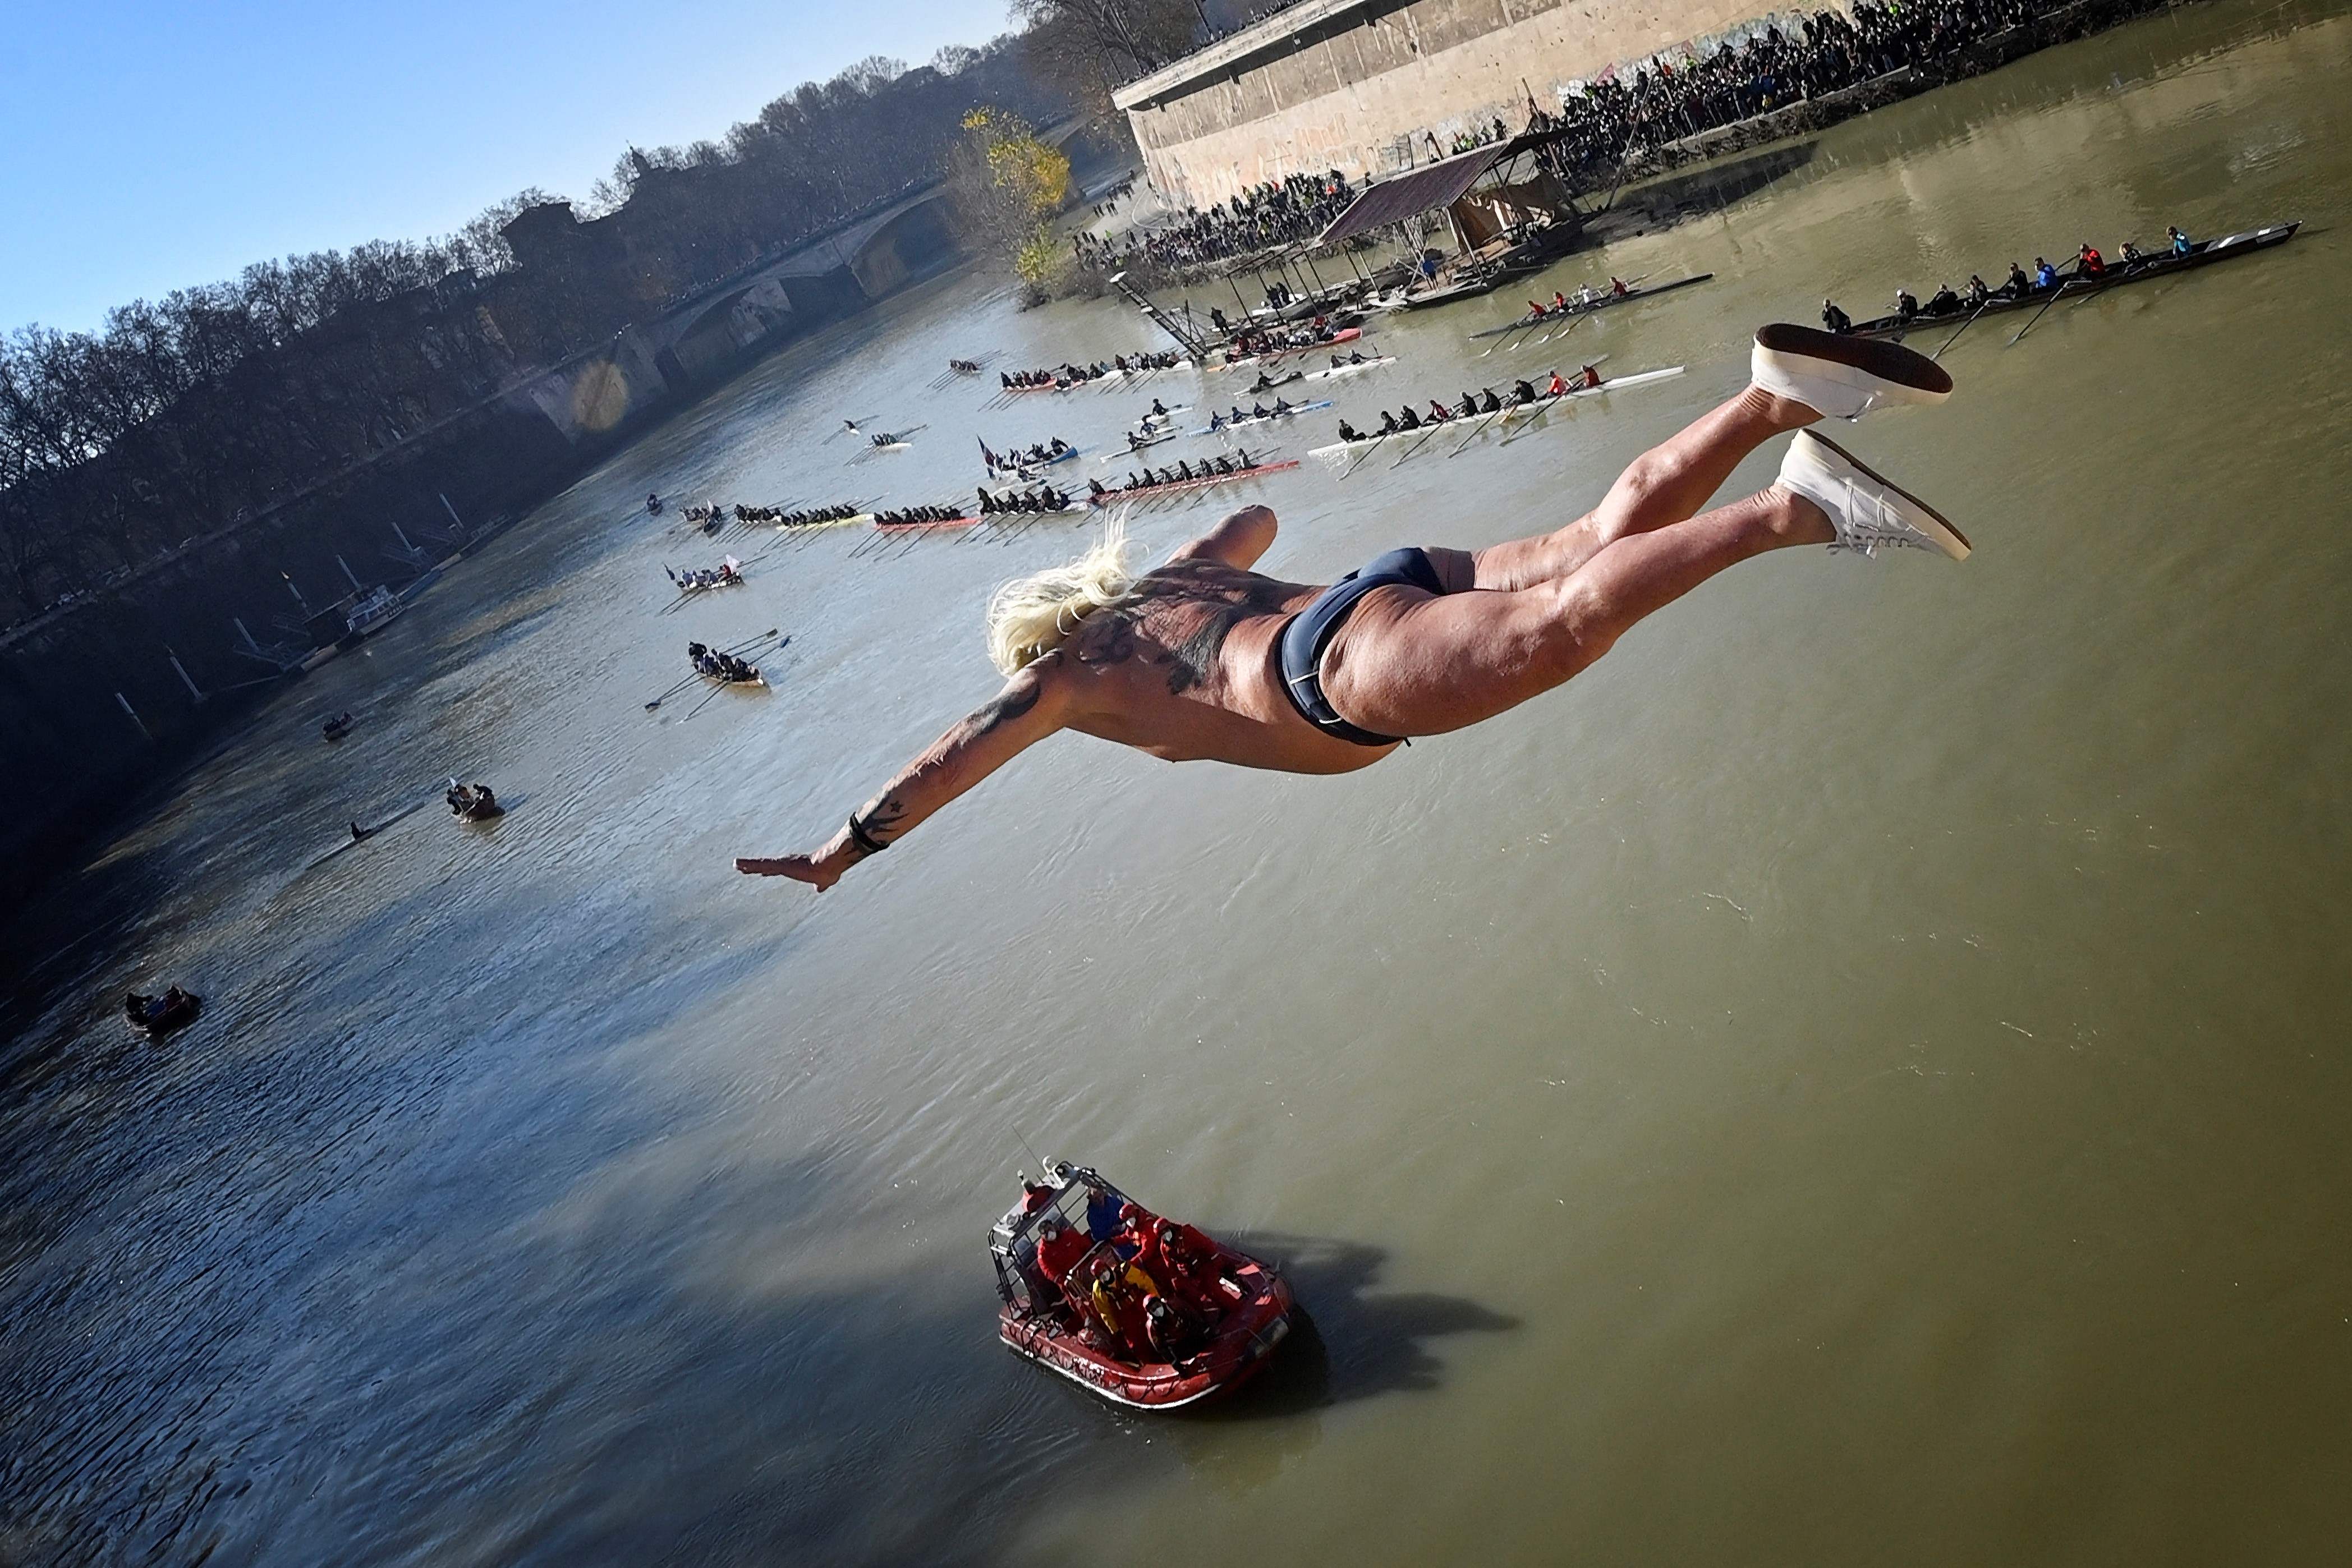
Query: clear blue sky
(147, 144)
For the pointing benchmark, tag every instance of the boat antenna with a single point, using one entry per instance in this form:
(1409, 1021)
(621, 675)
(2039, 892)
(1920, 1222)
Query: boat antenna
(1025, 1143)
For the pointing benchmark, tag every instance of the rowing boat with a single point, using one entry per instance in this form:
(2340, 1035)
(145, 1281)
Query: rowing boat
(1345, 335)
(1105, 379)
(1336, 372)
(1542, 405)
(1137, 443)
(1575, 308)
(1026, 464)
(1114, 497)
(755, 679)
(1243, 423)
(898, 442)
(2074, 285)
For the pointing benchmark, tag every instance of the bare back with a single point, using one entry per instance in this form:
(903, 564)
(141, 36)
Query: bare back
(1185, 669)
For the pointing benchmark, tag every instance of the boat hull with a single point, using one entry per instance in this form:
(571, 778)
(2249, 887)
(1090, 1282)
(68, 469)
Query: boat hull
(2074, 287)
(1113, 497)
(1257, 1321)
(1529, 323)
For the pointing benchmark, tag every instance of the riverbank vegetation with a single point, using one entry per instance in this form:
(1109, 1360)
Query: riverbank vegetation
(180, 415)
(1007, 184)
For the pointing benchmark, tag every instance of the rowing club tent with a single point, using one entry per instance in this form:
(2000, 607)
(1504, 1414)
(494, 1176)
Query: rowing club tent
(1491, 196)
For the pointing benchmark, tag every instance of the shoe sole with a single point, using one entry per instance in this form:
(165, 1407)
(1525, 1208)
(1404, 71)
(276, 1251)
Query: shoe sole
(1875, 478)
(1890, 362)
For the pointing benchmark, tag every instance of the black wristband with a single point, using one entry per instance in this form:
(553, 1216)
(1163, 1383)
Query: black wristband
(862, 839)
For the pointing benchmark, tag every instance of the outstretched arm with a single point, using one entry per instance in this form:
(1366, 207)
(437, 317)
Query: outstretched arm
(1238, 542)
(1031, 707)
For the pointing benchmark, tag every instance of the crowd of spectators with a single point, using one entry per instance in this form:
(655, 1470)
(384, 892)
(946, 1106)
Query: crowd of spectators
(1596, 131)
(1665, 100)
(1298, 207)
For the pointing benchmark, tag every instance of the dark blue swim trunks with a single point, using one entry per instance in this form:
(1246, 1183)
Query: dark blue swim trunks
(1311, 631)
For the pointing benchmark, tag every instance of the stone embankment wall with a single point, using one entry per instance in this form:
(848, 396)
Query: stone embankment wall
(1338, 84)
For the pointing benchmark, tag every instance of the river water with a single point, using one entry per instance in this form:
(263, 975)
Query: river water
(1858, 1077)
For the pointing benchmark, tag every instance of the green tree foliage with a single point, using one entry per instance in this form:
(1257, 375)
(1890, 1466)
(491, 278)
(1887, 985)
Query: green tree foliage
(1007, 184)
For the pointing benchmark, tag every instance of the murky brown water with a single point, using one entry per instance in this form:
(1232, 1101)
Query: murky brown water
(1859, 1077)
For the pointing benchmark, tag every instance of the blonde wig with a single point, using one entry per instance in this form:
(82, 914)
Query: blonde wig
(1031, 616)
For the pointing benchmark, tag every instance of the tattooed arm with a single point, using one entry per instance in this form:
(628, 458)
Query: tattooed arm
(1031, 707)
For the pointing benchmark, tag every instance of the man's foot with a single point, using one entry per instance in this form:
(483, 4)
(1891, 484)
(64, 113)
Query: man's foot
(1841, 377)
(1869, 512)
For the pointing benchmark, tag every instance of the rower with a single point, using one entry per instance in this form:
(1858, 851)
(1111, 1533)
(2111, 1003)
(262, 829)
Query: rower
(1159, 410)
(2131, 255)
(1618, 286)
(1257, 411)
(1523, 393)
(1216, 422)
(2018, 284)
(1183, 469)
(2089, 263)
(1467, 406)
(2181, 244)
(1438, 413)
(1555, 387)
(1558, 300)
(1979, 291)
(1589, 379)
(2044, 274)
(1490, 403)
(1906, 305)
(1388, 425)
(1836, 319)
(1943, 302)
(1281, 407)
(1095, 489)
(1349, 431)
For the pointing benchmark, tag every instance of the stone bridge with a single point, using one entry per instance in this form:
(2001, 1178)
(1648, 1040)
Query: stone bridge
(698, 341)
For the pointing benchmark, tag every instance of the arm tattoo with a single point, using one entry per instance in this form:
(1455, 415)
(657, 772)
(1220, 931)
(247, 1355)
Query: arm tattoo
(871, 830)
(1004, 709)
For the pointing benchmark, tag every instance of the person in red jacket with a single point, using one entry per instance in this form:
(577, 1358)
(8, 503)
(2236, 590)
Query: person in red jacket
(1058, 1251)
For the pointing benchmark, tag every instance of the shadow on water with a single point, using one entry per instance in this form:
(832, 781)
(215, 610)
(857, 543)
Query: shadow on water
(1697, 191)
(1351, 1341)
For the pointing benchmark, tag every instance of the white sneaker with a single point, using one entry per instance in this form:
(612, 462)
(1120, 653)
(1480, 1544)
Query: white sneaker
(1869, 512)
(1843, 377)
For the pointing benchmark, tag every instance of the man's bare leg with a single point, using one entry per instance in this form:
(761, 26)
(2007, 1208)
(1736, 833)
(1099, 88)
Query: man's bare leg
(1667, 484)
(1406, 663)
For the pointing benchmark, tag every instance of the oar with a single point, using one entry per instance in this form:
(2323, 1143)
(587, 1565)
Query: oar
(710, 695)
(1485, 420)
(1367, 451)
(2055, 295)
(738, 648)
(1510, 332)
(1964, 327)
(1429, 434)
